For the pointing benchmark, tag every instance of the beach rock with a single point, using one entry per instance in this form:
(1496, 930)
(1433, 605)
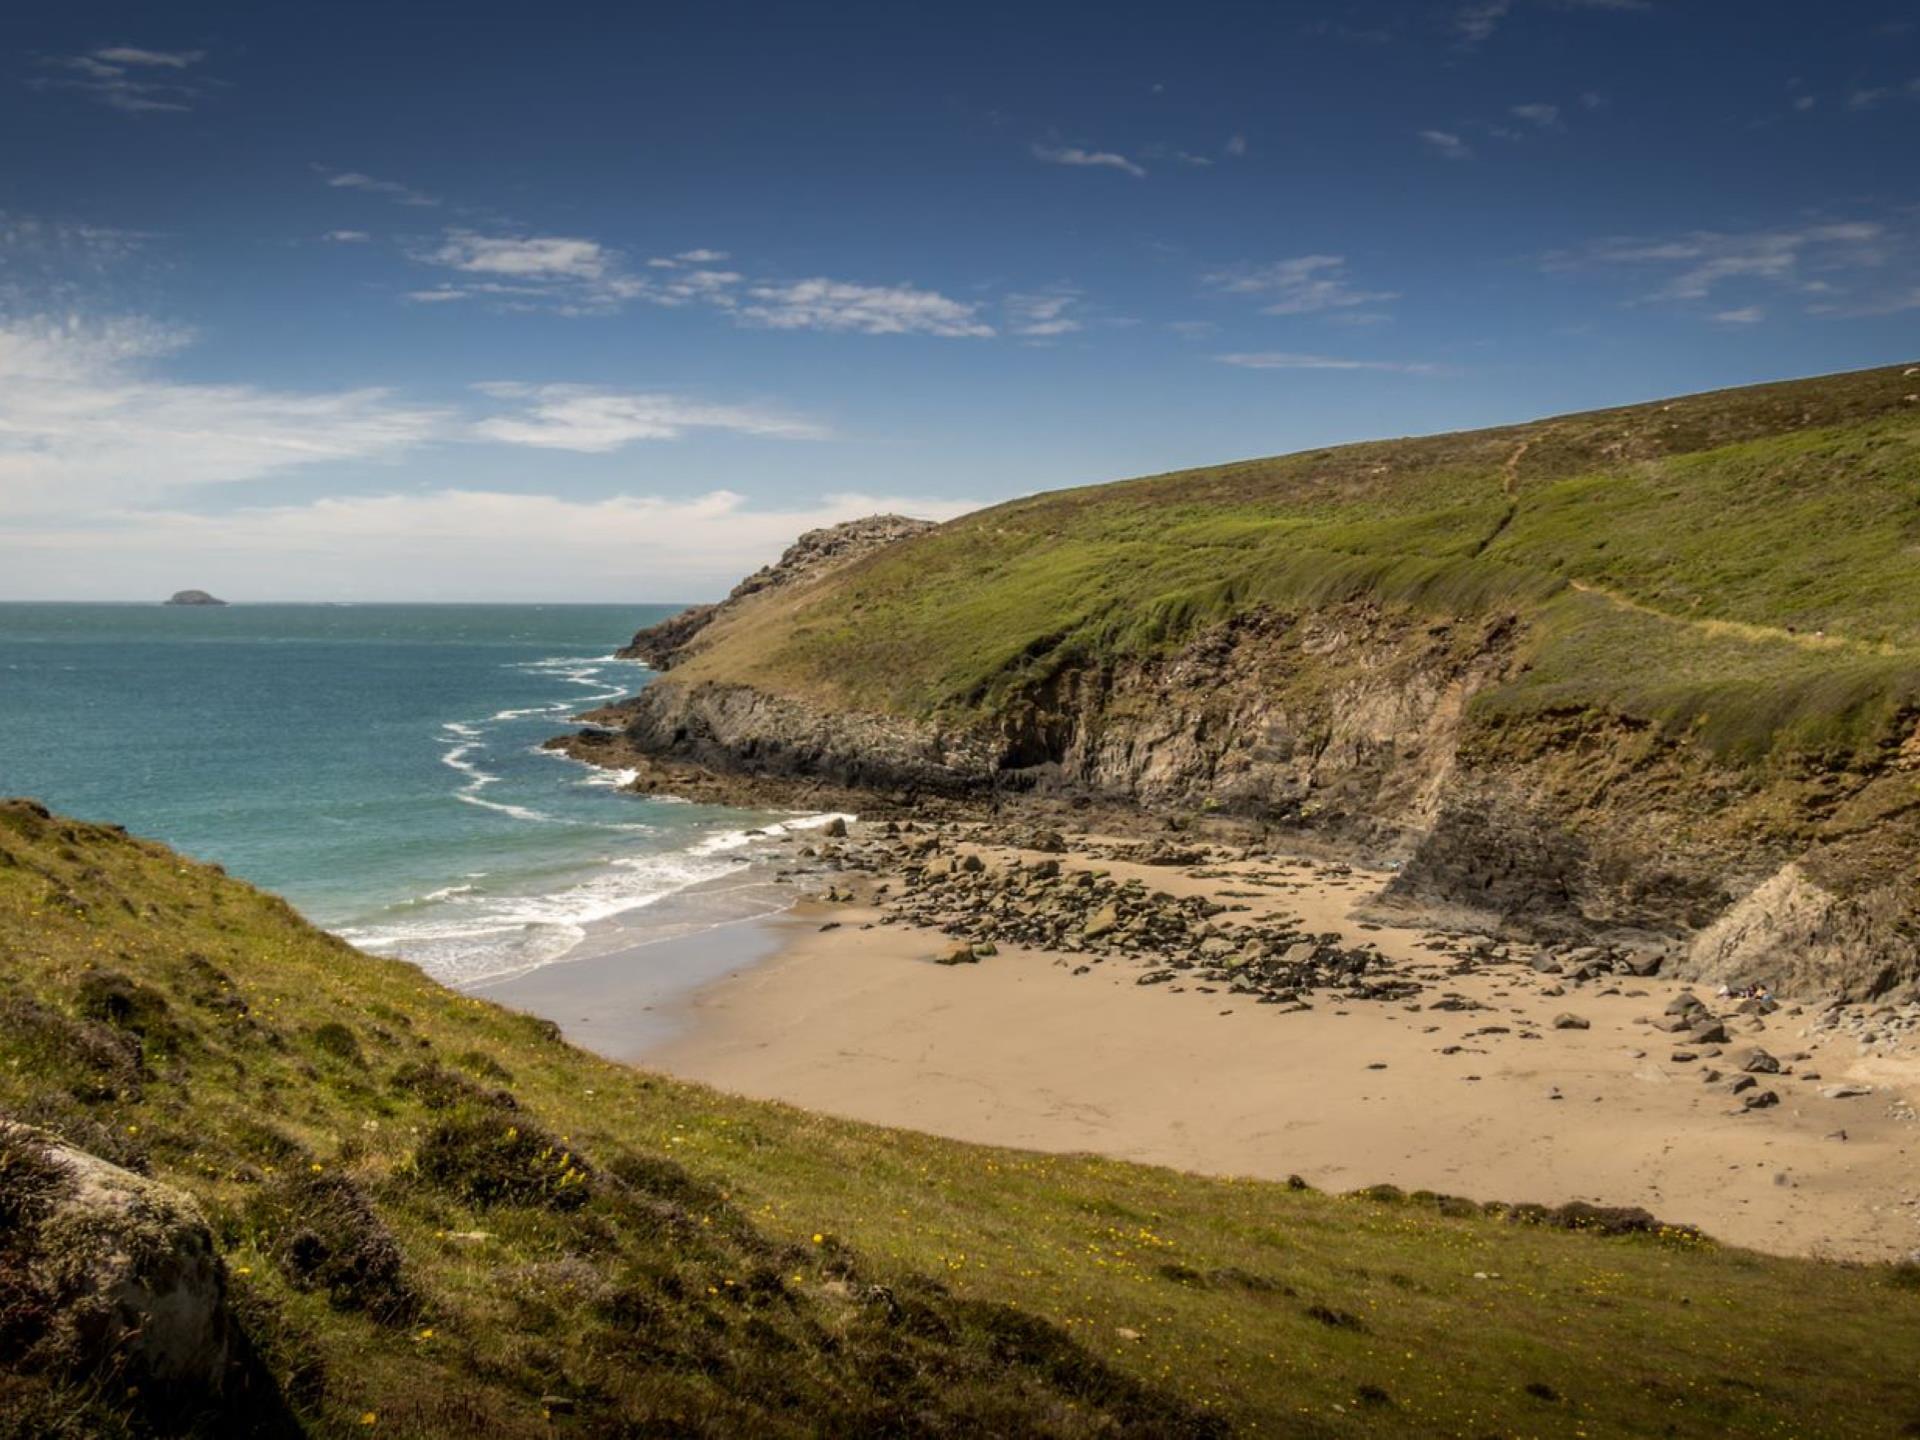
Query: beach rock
(1708, 1032)
(835, 829)
(1760, 1100)
(1566, 1020)
(958, 955)
(1757, 1062)
(1845, 1092)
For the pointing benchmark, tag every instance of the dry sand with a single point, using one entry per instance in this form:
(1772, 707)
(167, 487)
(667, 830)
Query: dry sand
(1019, 1051)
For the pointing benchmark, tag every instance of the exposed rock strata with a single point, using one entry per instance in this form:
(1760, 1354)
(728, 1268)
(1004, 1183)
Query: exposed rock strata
(1355, 726)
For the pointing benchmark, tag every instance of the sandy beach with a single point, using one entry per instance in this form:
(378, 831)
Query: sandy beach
(837, 1007)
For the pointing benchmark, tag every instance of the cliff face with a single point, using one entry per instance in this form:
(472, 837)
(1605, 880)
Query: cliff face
(1651, 702)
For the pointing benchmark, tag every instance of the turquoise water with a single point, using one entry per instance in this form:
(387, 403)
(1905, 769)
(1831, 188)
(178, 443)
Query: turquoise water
(378, 765)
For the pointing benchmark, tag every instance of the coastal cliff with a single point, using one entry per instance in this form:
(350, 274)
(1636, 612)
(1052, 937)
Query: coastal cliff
(1649, 675)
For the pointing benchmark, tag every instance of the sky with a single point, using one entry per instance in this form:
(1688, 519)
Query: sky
(608, 302)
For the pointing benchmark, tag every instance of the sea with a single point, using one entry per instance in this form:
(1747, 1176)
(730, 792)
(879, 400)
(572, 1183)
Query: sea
(380, 767)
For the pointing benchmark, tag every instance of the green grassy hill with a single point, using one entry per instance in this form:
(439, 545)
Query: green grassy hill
(1742, 567)
(1605, 675)
(438, 1219)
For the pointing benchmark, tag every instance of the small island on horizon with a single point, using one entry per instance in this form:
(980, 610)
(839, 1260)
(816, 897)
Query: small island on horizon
(192, 597)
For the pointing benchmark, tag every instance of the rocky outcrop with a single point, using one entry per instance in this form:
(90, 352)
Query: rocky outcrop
(738, 729)
(812, 557)
(112, 1279)
(193, 597)
(1797, 936)
(1355, 726)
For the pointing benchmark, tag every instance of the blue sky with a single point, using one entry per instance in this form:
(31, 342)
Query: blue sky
(606, 302)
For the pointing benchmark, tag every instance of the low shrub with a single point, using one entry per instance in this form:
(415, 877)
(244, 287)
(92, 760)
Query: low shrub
(324, 1234)
(486, 1158)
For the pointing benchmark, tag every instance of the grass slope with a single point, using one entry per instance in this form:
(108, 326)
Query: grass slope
(438, 1218)
(1741, 566)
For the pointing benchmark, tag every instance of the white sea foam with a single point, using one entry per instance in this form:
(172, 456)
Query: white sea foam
(612, 779)
(466, 938)
(738, 839)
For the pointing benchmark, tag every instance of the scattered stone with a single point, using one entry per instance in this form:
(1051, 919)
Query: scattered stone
(1567, 1020)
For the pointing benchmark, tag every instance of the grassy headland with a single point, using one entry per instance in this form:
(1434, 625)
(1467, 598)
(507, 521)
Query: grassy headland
(440, 1219)
(1738, 567)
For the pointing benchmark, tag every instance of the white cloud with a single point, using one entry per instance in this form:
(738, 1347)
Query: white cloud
(821, 304)
(165, 59)
(1236, 145)
(85, 421)
(591, 420)
(1699, 263)
(392, 189)
(1446, 144)
(536, 256)
(444, 545)
(1745, 315)
(1304, 285)
(573, 275)
(1538, 114)
(124, 78)
(1096, 159)
(1477, 21)
(347, 237)
(61, 247)
(1286, 360)
(1043, 314)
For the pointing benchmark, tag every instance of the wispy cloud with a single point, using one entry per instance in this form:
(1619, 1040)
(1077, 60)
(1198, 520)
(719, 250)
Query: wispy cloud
(592, 420)
(574, 275)
(1288, 360)
(86, 419)
(1474, 23)
(1745, 315)
(62, 247)
(532, 256)
(1304, 285)
(128, 78)
(1043, 314)
(1095, 159)
(347, 237)
(391, 189)
(1539, 114)
(1236, 146)
(822, 304)
(1873, 97)
(1696, 265)
(1446, 144)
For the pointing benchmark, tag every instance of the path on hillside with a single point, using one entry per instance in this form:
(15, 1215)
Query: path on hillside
(1737, 629)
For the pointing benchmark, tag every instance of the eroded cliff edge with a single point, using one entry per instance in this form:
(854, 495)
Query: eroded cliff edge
(1441, 654)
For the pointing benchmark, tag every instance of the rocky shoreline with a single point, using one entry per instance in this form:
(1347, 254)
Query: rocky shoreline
(1141, 943)
(1347, 730)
